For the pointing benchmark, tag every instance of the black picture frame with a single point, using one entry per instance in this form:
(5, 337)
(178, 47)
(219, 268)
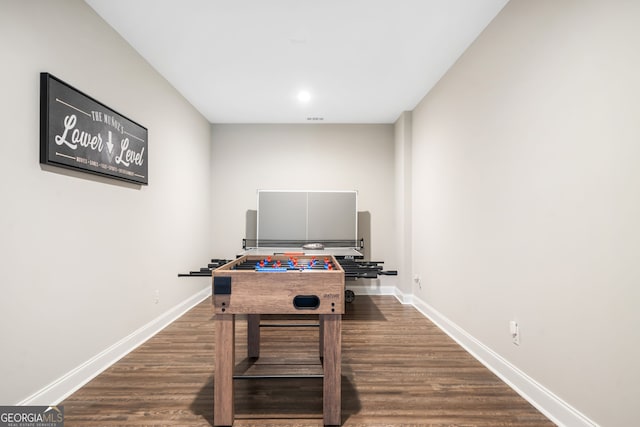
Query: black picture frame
(78, 132)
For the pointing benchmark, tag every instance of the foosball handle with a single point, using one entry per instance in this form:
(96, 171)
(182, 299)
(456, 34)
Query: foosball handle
(349, 296)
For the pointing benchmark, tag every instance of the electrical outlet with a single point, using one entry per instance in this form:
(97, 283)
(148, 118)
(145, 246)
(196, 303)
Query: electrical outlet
(156, 296)
(514, 329)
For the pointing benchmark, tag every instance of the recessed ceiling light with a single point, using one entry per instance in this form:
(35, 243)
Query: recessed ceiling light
(304, 96)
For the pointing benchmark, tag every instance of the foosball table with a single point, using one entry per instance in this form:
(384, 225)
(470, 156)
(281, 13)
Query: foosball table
(282, 283)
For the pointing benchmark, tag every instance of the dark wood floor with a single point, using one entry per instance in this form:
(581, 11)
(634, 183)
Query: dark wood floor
(398, 369)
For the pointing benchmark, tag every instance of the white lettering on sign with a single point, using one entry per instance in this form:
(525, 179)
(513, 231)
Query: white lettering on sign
(112, 121)
(128, 156)
(69, 123)
(78, 137)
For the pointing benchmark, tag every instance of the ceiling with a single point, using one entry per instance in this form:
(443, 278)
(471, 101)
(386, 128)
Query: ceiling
(245, 61)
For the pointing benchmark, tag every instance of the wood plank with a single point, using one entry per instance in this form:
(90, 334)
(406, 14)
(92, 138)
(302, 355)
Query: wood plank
(281, 368)
(223, 394)
(398, 369)
(332, 363)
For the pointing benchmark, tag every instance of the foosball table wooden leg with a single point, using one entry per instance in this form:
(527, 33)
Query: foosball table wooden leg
(332, 359)
(223, 396)
(253, 335)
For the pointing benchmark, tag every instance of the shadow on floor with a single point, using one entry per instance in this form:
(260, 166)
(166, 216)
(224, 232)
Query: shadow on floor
(281, 398)
(363, 308)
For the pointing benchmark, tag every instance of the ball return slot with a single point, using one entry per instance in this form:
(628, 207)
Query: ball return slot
(306, 302)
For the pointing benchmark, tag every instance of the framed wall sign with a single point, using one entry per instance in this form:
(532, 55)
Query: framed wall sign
(78, 132)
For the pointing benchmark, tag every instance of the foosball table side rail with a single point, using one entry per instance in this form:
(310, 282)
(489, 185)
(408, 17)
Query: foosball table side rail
(353, 269)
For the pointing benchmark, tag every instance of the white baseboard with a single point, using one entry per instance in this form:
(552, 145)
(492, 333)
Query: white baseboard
(370, 289)
(541, 398)
(67, 384)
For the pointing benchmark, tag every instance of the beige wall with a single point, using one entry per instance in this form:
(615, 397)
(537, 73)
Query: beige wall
(82, 257)
(526, 202)
(249, 157)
